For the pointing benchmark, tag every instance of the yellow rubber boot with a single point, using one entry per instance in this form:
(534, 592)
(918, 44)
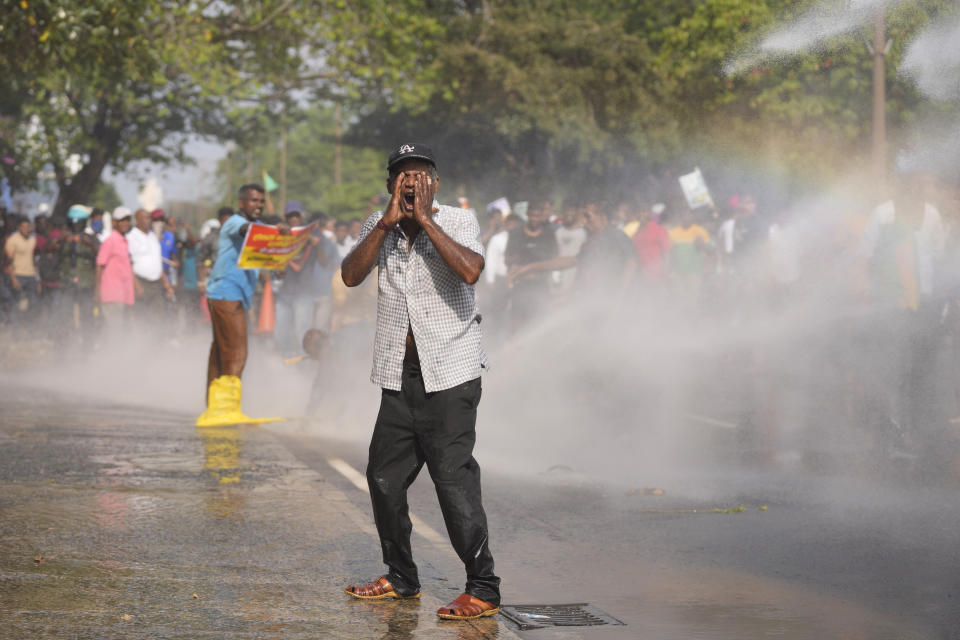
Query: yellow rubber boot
(223, 405)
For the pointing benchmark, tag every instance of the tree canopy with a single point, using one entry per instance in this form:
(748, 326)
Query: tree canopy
(527, 96)
(99, 83)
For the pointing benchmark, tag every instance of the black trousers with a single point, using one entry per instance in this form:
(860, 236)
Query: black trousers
(438, 428)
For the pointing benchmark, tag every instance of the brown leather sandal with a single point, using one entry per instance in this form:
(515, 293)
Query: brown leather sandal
(466, 607)
(377, 590)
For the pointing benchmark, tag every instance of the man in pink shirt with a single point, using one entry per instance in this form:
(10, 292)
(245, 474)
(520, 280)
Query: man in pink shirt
(114, 271)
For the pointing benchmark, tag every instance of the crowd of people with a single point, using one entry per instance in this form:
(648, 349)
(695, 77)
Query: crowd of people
(66, 278)
(892, 266)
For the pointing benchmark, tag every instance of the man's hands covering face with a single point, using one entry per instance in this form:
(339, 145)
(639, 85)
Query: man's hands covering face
(412, 198)
(423, 198)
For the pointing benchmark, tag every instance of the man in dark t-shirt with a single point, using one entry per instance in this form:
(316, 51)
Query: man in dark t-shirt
(606, 264)
(535, 242)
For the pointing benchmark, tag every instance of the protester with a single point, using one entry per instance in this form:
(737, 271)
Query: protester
(531, 243)
(570, 238)
(495, 241)
(494, 289)
(19, 249)
(783, 259)
(114, 273)
(189, 282)
(229, 296)
(652, 242)
(99, 225)
(150, 282)
(210, 241)
(630, 214)
(739, 233)
(689, 244)
(355, 226)
(342, 237)
(606, 264)
(427, 360)
(303, 299)
(47, 259)
(77, 252)
(166, 230)
(903, 237)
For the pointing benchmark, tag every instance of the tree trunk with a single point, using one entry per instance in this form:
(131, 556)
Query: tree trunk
(77, 190)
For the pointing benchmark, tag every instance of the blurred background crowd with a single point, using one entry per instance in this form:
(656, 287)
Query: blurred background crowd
(851, 299)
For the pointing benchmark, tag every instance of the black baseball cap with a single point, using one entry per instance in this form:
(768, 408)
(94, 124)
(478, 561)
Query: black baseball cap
(411, 151)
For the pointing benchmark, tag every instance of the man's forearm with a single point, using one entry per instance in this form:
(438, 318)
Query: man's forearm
(359, 262)
(554, 264)
(467, 264)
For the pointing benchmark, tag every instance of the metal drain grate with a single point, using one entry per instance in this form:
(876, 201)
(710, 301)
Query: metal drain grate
(538, 616)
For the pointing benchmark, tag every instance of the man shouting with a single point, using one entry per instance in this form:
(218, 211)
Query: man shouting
(428, 360)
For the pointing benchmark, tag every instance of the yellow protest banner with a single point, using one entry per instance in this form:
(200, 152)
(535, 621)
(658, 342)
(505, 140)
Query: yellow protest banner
(266, 248)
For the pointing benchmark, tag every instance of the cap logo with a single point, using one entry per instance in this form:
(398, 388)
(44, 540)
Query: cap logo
(405, 149)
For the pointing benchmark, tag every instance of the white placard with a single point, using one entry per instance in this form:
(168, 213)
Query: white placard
(695, 189)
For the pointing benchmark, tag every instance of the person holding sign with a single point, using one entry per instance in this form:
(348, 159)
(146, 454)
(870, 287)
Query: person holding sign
(229, 296)
(427, 360)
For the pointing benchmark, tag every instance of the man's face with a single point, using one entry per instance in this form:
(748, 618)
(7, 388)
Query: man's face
(24, 228)
(122, 225)
(593, 220)
(409, 169)
(143, 220)
(340, 232)
(537, 216)
(251, 204)
(572, 217)
(355, 228)
(294, 220)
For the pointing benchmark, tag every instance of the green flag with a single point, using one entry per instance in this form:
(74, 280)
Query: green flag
(269, 183)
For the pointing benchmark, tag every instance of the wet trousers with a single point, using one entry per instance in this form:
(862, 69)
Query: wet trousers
(228, 352)
(413, 428)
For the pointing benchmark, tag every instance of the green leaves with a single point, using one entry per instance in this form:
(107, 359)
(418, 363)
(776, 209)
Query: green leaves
(524, 91)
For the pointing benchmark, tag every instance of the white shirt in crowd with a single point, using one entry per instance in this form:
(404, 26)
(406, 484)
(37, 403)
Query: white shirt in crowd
(344, 249)
(930, 239)
(496, 263)
(569, 242)
(145, 254)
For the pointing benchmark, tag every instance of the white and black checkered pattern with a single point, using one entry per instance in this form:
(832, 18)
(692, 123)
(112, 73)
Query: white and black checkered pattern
(418, 289)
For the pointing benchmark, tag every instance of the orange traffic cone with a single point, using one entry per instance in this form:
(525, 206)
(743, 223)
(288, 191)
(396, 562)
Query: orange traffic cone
(266, 323)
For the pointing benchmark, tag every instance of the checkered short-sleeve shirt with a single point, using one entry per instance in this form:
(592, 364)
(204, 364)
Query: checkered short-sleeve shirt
(418, 289)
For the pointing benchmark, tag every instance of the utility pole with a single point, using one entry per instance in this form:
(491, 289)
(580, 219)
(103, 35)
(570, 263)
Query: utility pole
(338, 149)
(879, 99)
(229, 163)
(283, 166)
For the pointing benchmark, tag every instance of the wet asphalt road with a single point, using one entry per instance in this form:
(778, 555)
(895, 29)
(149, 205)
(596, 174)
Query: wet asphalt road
(120, 522)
